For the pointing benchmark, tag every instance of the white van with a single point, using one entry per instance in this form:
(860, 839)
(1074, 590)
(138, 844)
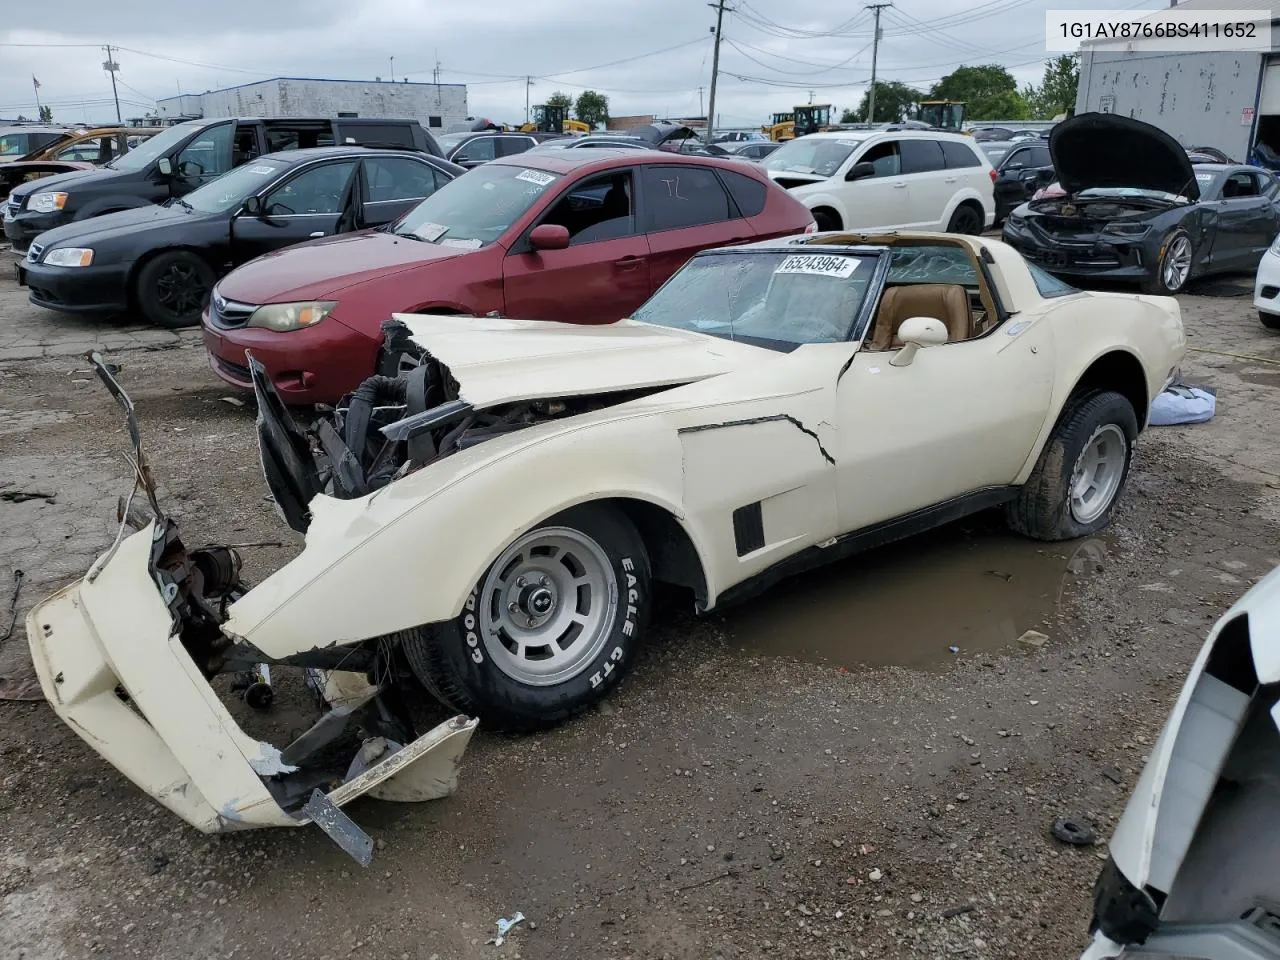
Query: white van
(878, 179)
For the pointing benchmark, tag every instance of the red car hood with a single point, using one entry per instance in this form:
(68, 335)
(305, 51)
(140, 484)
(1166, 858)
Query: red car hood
(321, 268)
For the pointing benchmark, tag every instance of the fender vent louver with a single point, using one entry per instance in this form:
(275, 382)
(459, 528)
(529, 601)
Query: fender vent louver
(748, 528)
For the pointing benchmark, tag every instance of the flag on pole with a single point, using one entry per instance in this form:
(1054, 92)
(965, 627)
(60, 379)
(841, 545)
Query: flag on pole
(34, 82)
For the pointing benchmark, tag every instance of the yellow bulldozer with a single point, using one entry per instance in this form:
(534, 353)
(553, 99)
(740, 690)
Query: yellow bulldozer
(782, 128)
(944, 114)
(553, 118)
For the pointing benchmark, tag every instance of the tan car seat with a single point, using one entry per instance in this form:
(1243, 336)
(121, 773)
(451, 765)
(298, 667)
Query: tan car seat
(947, 302)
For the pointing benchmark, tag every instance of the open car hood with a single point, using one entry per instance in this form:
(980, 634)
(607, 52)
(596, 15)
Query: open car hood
(497, 360)
(1098, 150)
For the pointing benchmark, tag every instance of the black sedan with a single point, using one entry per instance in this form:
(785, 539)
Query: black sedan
(164, 260)
(1022, 168)
(1137, 209)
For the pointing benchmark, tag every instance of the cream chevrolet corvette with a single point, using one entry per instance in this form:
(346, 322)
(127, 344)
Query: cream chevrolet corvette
(488, 517)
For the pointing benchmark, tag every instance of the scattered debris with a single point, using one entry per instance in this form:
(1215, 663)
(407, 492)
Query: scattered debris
(1075, 832)
(1181, 404)
(234, 401)
(724, 875)
(22, 496)
(18, 577)
(158, 863)
(1112, 774)
(875, 875)
(1006, 577)
(1033, 638)
(504, 927)
(957, 911)
(954, 649)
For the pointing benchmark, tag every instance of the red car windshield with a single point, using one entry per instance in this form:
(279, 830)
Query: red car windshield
(476, 209)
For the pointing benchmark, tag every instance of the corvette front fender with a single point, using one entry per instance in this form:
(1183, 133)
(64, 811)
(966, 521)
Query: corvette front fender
(411, 553)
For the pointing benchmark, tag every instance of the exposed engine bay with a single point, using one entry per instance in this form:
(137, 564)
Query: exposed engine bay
(406, 417)
(1100, 208)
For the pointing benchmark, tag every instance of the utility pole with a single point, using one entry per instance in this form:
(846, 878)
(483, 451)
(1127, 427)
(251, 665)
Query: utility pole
(35, 85)
(393, 69)
(111, 67)
(700, 100)
(875, 49)
(715, 64)
(528, 82)
(811, 96)
(435, 75)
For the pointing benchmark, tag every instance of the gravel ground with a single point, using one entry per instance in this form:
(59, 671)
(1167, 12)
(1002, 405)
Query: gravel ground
(813, 774)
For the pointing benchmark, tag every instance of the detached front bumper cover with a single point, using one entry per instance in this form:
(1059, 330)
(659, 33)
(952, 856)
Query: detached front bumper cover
(124, 655)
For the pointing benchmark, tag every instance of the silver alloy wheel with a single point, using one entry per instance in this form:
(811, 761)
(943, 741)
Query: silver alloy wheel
(547, 606)
(1177, 264)
(1098, 472)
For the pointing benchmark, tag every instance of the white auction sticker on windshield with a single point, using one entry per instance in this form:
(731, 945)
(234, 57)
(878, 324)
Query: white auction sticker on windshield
(535, 176)
(262, 171)
(818, 265)
(462, 243)
(431, 232)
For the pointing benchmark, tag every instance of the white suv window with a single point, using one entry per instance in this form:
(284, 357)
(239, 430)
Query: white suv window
(885, 158)
(921, 156)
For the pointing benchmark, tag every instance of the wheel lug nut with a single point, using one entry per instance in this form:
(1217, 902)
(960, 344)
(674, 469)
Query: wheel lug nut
(512, 608)
(521, 582)
(544, 582)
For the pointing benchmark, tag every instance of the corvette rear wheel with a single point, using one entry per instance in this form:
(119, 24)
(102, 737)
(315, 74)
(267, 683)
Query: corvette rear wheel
(1081, 472)
(549, 629)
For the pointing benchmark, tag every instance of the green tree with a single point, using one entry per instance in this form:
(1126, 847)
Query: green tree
(46, 115)
(990, 92)
(592, 108)
(1057, 91)
(895, 102)
(559, 99)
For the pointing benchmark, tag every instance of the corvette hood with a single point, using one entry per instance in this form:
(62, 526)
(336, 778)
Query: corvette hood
(497, 360)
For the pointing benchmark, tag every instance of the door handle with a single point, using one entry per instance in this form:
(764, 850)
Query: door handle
(628, 263)
(899, 186)
(949, 180)
(318, 233)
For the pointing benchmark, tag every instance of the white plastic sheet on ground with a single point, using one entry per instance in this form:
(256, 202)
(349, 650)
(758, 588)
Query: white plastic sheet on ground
(1181, 404)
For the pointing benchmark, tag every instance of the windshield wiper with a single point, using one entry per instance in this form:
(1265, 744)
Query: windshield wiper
(183, 203)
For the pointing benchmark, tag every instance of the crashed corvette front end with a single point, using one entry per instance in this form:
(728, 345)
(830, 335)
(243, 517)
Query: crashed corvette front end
(125, 657)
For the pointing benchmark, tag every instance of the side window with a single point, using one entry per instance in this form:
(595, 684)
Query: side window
(441, 178)
(1240, 185)
(1040, 157)
(748, 193)
(208, 155)
(380, 134)
(683, 197)
(1048, 285)
(884, 157)
(318, 190)
(1019, 158)
(959, 155)
(513, 145)
(435, 121)
(921, 156)
(480, 149)
(397, 178)
(246, 146)
(600, 208)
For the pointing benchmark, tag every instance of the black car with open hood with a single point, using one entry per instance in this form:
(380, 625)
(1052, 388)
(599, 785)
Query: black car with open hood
(1138, 209)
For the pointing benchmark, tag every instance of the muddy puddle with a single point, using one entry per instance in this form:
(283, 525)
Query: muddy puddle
(907, 604)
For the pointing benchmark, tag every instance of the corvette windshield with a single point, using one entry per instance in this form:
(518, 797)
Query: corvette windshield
(477, 209)
(776, 299)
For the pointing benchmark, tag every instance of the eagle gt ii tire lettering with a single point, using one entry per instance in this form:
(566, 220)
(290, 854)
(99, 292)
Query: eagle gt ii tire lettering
(548, 629)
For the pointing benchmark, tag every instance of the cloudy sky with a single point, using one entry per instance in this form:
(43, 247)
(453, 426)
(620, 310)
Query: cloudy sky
(648, 57)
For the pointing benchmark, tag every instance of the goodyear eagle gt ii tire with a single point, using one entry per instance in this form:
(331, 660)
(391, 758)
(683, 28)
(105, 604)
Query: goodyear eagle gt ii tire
(550, 627)
(1081, 473)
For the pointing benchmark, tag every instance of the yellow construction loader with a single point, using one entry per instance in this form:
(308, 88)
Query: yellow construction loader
(553, 118)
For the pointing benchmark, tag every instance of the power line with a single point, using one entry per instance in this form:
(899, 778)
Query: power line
(826, 68)
(715, 68)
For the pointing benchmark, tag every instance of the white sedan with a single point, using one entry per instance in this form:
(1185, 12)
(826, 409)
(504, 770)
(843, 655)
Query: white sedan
(1266, 287)
(491, 513)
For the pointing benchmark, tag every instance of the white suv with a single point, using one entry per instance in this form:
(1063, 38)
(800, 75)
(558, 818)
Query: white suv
(902, 179)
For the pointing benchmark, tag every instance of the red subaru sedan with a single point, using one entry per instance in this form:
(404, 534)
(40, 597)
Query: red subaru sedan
(579, 236)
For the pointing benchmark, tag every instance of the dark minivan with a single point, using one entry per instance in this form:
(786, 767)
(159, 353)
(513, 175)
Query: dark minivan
(184, 157)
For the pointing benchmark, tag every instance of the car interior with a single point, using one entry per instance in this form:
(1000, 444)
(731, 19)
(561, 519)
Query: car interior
(928, 278)
(1240, 185)
(598, 209)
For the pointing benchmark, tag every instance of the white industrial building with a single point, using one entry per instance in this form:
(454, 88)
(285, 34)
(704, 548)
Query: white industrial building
(1217, 98)
(435, 105)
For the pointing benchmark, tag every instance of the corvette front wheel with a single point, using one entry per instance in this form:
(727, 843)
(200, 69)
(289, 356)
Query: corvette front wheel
(1076, 483)
(549, 629)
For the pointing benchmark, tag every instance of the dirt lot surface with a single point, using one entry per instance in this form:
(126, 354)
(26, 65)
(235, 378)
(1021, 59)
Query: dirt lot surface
(813, 774)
